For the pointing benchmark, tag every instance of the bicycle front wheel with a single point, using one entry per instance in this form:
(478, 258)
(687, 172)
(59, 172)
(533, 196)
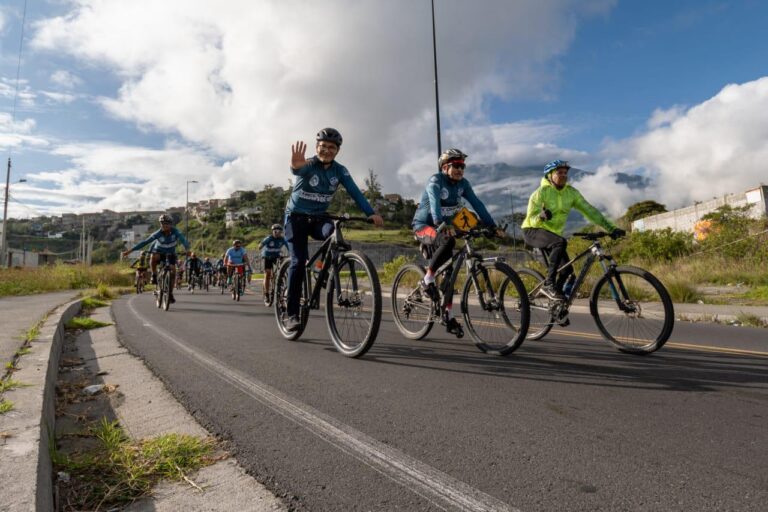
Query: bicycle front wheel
(166, 291)
(411, 308)
(495, 308)
(281, 303)
(353, 304)
(541, 317)
(633, 310)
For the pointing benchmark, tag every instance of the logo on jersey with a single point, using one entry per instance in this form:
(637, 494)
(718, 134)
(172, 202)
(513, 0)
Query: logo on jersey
(444, 194)
(334, 182)
(314, 181)
(461, 191)
(345, 172)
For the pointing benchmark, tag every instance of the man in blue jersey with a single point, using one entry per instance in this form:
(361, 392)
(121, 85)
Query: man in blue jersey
(317, 179)
(440, 201)
(235, 257)
(164, 247)
(271, 248)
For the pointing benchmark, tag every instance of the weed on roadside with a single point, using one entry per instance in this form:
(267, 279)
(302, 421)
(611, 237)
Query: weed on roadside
(749, 320)
(84, 322)
(8, 384)
(5, 405)
(118, 471)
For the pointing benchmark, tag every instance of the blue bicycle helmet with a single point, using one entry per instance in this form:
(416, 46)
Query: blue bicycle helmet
(555, 164)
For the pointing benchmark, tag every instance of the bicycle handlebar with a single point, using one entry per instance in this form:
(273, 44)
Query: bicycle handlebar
(343, 218)
(593, 236)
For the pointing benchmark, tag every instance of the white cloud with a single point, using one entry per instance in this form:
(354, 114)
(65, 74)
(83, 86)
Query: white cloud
(59, 97)
(66, 79)
(245, 82)
(708, 150)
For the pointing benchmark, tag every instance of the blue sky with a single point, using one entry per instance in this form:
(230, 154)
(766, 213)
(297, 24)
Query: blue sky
(123, 102)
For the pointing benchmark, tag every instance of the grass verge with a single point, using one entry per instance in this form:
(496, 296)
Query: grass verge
(26, 281)
(118, 471)
(84, 322)
(8, 384)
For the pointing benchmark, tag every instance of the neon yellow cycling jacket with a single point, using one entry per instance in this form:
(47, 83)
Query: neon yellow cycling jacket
(560, 203)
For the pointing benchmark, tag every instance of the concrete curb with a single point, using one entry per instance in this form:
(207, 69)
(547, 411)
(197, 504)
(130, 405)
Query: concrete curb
(25, 453)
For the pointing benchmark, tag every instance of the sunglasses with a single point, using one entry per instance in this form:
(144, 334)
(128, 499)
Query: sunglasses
(458, 166)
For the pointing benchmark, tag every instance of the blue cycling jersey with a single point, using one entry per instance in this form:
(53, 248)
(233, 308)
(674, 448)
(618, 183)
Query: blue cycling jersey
(207, 266)
(219, 264)
(315, 186)
(271, 246)
(236, 256)
(442, 199)
(163, 244)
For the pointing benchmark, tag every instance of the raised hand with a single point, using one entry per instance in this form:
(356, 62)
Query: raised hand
(298, 155)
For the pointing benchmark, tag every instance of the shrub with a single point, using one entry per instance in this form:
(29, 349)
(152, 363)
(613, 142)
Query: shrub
(387, 275)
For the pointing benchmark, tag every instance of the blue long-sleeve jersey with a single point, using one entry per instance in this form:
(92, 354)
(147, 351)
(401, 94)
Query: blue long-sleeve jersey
(163, 244)
(443, 198)
(271, 246)
(315, 186)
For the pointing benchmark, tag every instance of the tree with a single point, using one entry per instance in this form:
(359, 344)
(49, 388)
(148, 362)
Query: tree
(373, 187)
(640, 210)
(272, 202)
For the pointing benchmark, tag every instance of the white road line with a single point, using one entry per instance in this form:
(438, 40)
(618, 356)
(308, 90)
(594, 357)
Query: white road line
(441, 489)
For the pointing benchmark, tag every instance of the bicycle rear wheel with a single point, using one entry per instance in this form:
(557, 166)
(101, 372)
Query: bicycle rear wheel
(541, 317)
(411, 308)
(281, 303)
(633, 310)
(495, 307)
(353, 304)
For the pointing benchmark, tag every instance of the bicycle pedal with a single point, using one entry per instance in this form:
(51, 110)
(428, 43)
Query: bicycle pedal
(564, 322)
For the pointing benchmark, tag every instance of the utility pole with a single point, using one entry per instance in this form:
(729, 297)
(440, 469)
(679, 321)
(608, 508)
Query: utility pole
(3, 248)
(437, 95)
(514, 228)
(186, 210)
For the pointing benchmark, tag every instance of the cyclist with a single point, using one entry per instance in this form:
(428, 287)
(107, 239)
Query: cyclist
(208, 269)
(194, 268)
(164, 248)
(221, 268)
(544, 223)
(235, 256)
(271, 248)
(141, 265)
(441, 200)
(317, 179)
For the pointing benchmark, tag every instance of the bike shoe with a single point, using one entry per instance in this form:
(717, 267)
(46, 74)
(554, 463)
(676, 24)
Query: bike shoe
(292, 324)
(430, 290)
(172, 299)
(453, 326)
(551, 292)
(154, 278)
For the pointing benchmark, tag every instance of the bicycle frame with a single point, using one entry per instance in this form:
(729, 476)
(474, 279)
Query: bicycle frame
(592, 253)
(466, 256)
(328, 253)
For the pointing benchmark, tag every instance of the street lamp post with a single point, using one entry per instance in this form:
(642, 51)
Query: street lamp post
(186, 210)
(3, 235)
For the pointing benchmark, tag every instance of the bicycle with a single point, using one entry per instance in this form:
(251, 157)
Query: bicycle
(629, 305)
(238, 281)
(162, 291)
(195, 280)
(269, 298)
(222, 280)
(207, 275)
(494, 302)
(353, 292)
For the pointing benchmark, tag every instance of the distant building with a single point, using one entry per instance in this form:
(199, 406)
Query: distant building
(686, 219)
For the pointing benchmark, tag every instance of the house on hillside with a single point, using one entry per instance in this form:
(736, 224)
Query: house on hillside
(686, 219)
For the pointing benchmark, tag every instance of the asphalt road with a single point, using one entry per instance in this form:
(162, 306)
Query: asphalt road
(566, 423)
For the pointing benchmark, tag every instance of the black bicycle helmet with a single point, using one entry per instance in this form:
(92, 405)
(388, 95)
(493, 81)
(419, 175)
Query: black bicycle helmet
(165, 218)
(329, 135)
(277, 227)
(450, 155)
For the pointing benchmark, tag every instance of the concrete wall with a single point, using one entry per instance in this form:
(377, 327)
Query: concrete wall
(684, 219)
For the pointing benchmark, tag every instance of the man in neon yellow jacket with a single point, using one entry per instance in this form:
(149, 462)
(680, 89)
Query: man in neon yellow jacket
(548, 209)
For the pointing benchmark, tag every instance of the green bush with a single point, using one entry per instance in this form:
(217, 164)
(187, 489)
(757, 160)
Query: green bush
(387, 275)
(665, 245)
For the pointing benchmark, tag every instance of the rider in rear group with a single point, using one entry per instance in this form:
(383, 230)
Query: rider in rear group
(544, 223)
(440, 201)
(317, 179)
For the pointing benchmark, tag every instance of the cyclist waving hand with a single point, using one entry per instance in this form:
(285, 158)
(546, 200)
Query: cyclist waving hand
(317, 179)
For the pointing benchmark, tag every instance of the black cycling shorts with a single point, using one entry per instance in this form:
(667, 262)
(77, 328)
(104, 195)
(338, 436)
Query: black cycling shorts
(168, 258)
(269, 262)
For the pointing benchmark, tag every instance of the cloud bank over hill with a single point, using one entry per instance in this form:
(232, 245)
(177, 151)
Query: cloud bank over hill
(227, 88)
